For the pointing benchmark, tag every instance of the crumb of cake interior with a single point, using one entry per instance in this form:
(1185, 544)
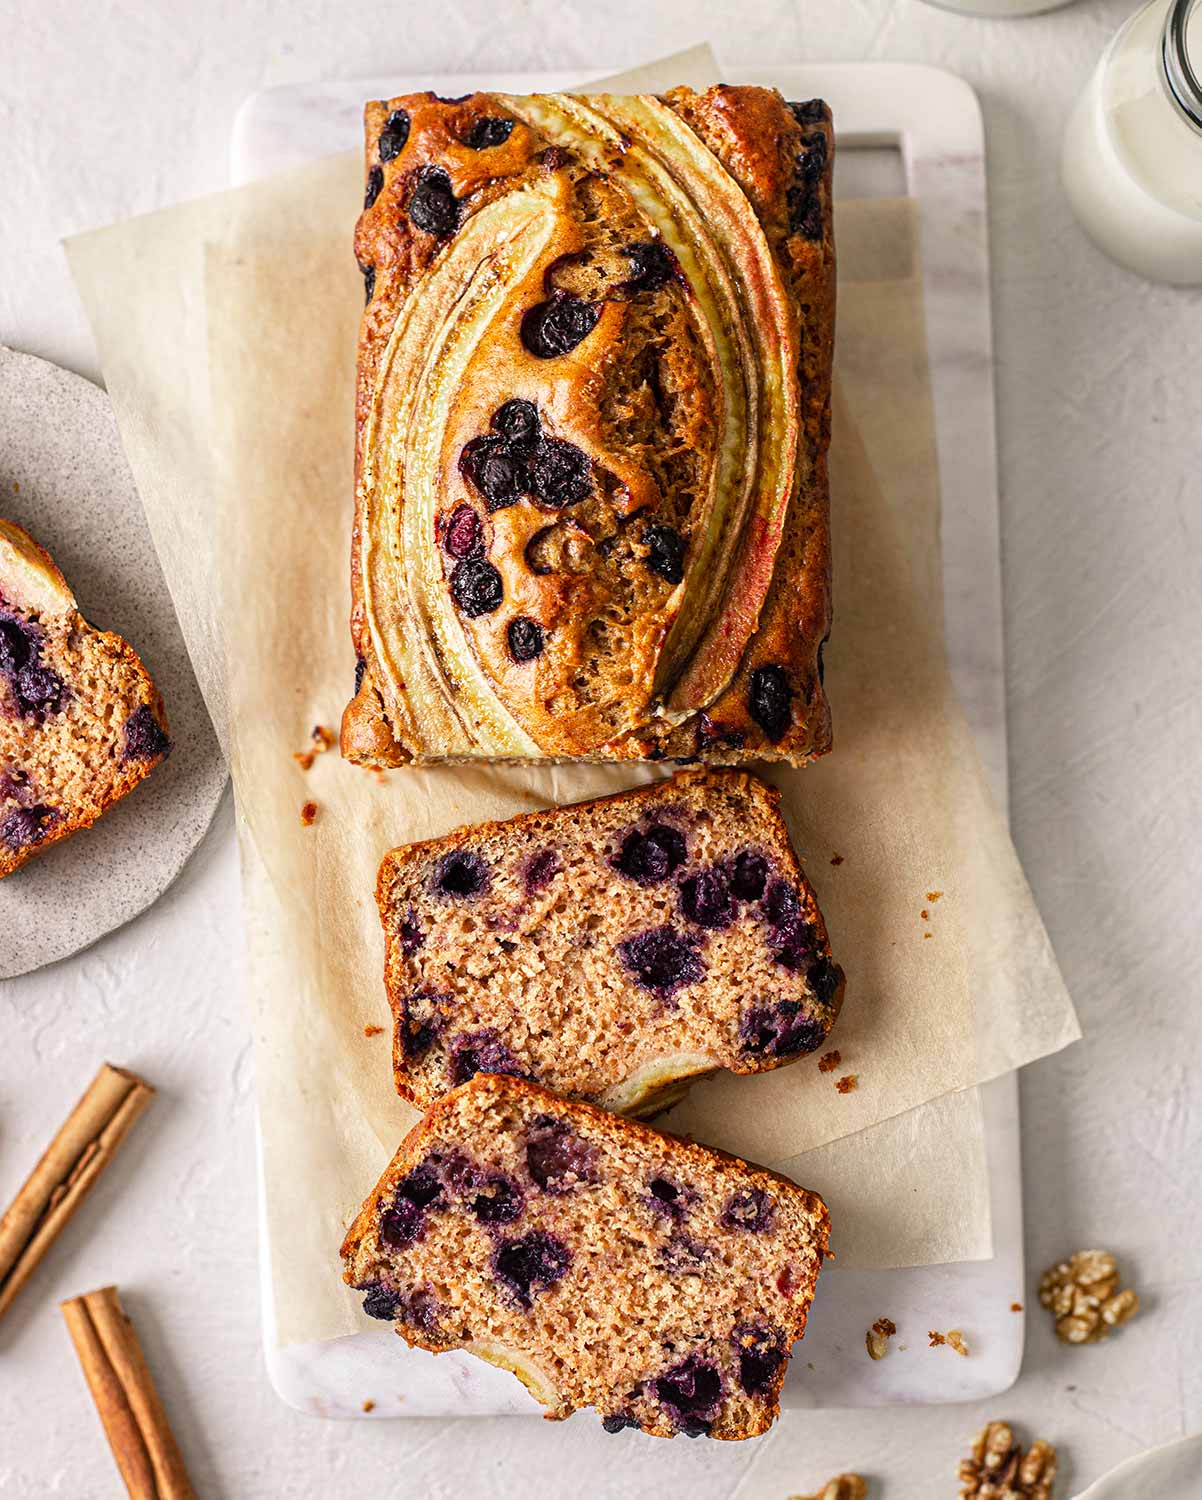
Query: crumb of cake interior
(81, 723)
(606, 1264)
(592, 418)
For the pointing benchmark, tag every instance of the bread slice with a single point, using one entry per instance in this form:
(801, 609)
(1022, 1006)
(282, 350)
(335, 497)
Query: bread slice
(603, 1262)
(592, 417)
(81, 723)
(613, 950)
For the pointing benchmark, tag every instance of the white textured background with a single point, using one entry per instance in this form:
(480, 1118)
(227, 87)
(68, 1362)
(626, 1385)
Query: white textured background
(109, 109)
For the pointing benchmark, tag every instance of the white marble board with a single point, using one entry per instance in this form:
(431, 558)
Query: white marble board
(901, 128)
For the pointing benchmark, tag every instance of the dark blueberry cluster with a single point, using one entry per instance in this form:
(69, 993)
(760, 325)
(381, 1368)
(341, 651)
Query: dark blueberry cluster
(804, 203)
(26, 825)
(761, 1353)
(412, 936)
(404, 1222)
(706, 898)
(531, 1264)
(499, 1201)
(748, 875)
(782, 1029)
(461, 874)
(394, 135)
(824, 978)
(489, 131)
(753, 1210)
(433, 206)
(662, 960)
(557, 325)
(369, 282)
(557, 1158)
(37, 690)
(381, 1302)
(769, 699)
(668, 1198)
(665, 552)
(375, 186)
(691, 1394)
(619, 1421)
(539, 871)
(144, 735)
(648, 856)
(516, 459)
(652, 265)
(418, 1024)
(482, 1051)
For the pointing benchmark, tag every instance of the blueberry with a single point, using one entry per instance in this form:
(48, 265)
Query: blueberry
(666, 1198)
(369, 282)
(682, 1256)
(26, 825)
(650, 856)
(144, 735)
(476, 587)
(493, 469)
(811, 160)
(490, 130)
(761, 1354)
(422, 1186)
(652, 264)
(402, 1225)
(375, 184)
(461, 874)
(665, 552)
(557, 1158)
(690, 1393)
(768, 698)
(463, 534)
(559, 473)
(518, 423)
(39, 690)
(500, 1201)
(779, 1030)
(525, 638)
(705, 899)
(821, 666)
(557, 325)
(619, 1421)
(823, 978)
(412, 937)
(394, 135)
(381, 1302)
(531, 1264)
(433, 207)
(482, 1052)
(415, 1033)
(752, 1209)
(360, 669)
(540, 870)
(662, 960)
(781, 901)
(808, 111)
(748, 875)
(15, 647)
(422, 1310)
(793, 943)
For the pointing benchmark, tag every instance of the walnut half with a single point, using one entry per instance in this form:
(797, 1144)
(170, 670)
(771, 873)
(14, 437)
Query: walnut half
(1084, 1295)
(998, 1469)
(842, 1487)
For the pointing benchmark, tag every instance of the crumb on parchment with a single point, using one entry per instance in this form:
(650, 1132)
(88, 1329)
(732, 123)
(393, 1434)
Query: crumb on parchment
(369, 1405)
(877, 1338)
(308, 814)
(847, 1083)
(829, 1061)
(933, 896)
(836, 859)
(373, 1030)
(321, 739)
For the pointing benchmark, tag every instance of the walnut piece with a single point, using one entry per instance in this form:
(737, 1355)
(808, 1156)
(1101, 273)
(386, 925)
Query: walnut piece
(998, 1469)
(953, 1338)
(842, 1487)
(1083, 1294)
(878, 1336)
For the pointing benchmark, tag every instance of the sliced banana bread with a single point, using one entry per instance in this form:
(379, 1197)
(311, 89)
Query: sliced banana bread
(603, 1262)
(613, 950)
(81, 723)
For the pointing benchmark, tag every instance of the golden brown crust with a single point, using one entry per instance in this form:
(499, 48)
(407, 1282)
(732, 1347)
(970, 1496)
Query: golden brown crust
(67, 773)
(432, 688)
(805, 1232)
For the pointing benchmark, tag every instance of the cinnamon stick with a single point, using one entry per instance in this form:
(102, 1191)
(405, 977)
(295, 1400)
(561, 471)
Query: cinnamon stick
(119, 1379)
(63, 1177)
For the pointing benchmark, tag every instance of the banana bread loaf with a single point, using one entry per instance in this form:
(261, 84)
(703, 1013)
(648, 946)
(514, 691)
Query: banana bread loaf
(613, 950)
(80, 721)
(591, 514)
(603, 1262)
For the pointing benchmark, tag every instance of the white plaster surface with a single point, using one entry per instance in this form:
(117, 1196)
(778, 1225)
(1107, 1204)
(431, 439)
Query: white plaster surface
(113, 108)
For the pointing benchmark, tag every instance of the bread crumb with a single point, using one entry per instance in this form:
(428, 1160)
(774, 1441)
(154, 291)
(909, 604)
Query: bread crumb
(928, 935)
(308, 814)
(1016, 1307)
(369, 1406)
(933, 896)
(935, 1338)
(953, 1338)
(829, 1061)
(372, 1030)
(836, 859)
(841, 1487)
(16, 488)
(321, 738)
(878, 1336)
(925, 914)
(847, 1083)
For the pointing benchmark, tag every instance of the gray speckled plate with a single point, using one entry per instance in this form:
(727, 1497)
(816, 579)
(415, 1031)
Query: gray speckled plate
(63, 476)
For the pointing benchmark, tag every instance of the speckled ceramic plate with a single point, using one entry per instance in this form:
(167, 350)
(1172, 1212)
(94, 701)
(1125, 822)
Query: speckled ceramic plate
(63, 476)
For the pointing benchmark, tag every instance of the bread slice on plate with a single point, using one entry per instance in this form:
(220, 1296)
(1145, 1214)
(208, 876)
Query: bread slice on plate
(613, 950)
(593, 410)
(607, 1264)
(81, 723)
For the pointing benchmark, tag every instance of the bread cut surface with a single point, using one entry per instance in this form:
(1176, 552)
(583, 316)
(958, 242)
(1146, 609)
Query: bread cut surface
(81, 723)
(612, 950)
(591, 515)
(607, 1264)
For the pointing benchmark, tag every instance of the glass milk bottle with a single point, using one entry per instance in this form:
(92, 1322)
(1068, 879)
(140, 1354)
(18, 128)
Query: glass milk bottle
(1132, 159)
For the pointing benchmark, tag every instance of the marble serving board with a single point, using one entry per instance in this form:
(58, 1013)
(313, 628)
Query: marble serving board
(900, 128)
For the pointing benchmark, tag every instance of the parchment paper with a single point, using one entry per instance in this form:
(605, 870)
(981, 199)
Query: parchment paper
(902, 799)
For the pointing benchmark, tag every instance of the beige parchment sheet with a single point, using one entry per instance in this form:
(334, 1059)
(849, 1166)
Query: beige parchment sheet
(262, 279)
